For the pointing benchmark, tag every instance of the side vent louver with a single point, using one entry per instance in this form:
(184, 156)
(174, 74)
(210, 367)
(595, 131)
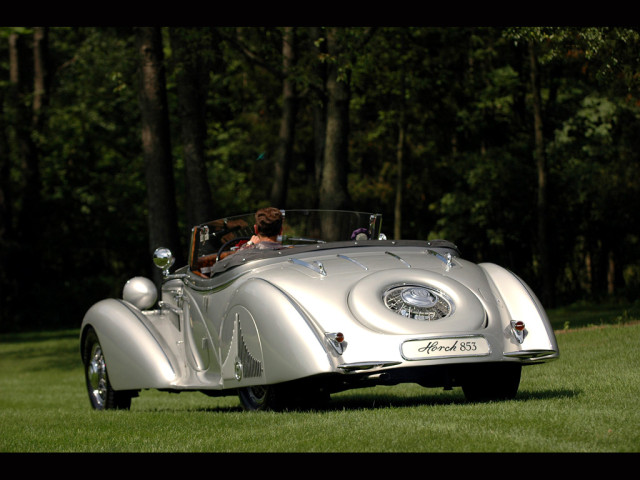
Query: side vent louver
(250, 366)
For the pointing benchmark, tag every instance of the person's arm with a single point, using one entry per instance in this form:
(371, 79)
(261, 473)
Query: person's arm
(254, 239)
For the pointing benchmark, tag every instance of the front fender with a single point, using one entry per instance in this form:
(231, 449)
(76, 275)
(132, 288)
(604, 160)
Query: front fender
(135, 359)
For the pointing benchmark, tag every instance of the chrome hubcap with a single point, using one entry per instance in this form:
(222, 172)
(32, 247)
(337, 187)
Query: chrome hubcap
(418, 302)
(418, 297)
(97, 376)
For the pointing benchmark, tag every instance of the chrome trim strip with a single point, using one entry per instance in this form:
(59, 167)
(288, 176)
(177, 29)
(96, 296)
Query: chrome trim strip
(304, 239)
(353, 261)
(315, 266)
(448, 261)
(532, 354)
(367, 365)
(398, 258)
(195, 284)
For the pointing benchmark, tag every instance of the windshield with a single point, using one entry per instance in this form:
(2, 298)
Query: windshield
(300, 227)
(323, 226)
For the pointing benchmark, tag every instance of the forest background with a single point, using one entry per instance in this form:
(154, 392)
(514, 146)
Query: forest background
(518, 144)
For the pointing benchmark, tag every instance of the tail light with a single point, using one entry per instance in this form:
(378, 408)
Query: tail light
(336, 340)
(518, 329)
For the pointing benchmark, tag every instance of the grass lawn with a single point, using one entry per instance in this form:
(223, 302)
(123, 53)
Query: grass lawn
(587, 401)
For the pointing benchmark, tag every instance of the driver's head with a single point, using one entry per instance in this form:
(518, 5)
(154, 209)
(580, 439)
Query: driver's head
(269, 222)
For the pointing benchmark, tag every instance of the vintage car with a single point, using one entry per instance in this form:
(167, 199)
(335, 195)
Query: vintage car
(337, 307)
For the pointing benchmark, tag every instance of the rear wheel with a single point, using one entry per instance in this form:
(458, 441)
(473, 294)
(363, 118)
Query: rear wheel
(491, 382)
(101, 394)
(279, 397)
(261, 397)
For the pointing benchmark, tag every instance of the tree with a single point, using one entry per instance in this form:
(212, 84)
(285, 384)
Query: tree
(436, 128)
(24, 121)
(318, 101)
(192, 69)
(544, 247)
(162, 216)
(334, 194)
(284, 153)
(26, 98)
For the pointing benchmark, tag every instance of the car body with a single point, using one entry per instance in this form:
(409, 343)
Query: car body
(336, 307)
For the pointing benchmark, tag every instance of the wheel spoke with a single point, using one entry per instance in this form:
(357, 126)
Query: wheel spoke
(96, 373)
(101, 393)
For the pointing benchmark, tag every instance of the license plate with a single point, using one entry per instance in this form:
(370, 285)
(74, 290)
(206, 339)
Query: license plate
(445, 348)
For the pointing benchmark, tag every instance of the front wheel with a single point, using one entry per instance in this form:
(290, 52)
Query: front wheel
(491, 382)
(101, 394)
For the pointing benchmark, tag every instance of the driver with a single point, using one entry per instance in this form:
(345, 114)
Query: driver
(267, 228)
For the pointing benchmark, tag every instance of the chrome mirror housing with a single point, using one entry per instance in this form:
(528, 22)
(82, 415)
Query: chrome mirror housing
(163, 259)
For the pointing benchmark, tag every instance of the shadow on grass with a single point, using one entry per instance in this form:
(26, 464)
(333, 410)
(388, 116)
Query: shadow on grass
(551, 394)
(372, 401)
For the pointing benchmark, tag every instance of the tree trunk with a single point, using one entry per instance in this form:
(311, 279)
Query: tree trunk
(319, 109)
(156, 145)
(539, 155)
(5, 202)
(287, 124)
(23, 123)
(611, 274)
(192, 78)
(11, 120)
(397, 209)
(40, 75)
(6, 283)
(33, 182)
(27, 85)
(333, 190)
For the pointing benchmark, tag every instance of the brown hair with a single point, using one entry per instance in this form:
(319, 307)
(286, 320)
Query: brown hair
(269, 221)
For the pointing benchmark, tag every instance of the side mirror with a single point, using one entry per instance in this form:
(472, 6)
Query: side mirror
(163, 259)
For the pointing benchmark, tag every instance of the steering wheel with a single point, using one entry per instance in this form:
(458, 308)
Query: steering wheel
(228, 243)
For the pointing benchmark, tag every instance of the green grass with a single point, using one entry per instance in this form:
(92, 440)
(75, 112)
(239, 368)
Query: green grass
(584, 402)
(583, 314)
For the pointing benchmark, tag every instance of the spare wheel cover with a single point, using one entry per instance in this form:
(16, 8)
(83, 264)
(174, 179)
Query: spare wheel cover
(366, 302)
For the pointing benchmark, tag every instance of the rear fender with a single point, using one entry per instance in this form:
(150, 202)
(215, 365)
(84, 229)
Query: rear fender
(134, 357)
(271, 336)
(521, 304)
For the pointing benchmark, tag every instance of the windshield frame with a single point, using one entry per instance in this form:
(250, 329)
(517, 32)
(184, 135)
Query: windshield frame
(303, 227)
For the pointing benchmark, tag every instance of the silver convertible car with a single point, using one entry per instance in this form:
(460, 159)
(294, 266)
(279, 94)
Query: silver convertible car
(335, 307)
